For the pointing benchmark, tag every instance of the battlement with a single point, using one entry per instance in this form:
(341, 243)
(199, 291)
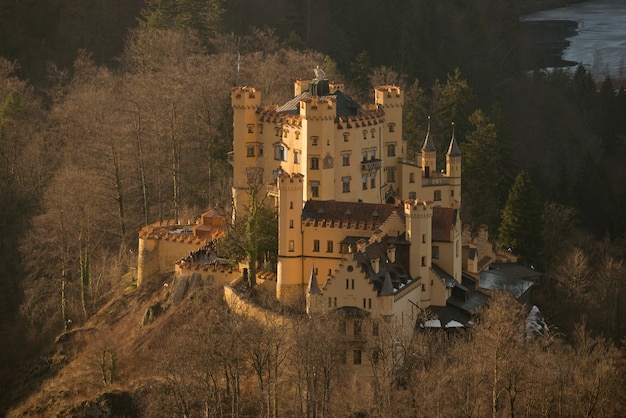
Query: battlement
(316, 108)
(245, 97)
(371, 118)
(418, 208)
(389, 95)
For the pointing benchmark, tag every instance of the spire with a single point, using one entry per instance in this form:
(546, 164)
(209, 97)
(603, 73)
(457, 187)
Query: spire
(387, 289)
(313, 288)
(453, 149)
(429, 144)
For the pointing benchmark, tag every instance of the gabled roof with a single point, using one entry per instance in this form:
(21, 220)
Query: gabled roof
(444, 220)
(332, 210)
(391, 277)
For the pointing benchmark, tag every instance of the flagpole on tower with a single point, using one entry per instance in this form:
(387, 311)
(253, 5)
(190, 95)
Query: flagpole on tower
(238, 66)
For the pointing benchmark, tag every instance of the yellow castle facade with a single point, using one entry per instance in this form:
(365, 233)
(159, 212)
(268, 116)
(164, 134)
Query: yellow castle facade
(363, 226)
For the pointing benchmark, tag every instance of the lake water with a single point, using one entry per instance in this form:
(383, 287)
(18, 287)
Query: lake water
(592, 33)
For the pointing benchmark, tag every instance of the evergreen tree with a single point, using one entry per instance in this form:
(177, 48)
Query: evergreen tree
(481, 161)
(521, 224)
(415, 117)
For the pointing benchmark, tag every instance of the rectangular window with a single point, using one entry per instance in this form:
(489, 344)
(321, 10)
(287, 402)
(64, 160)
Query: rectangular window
(391, 150)
(435, 252)
(291, 224)
(260, 150)
(346, 184)
(364, 154)
(250, 151)
(315, 163)
(316, 246)
(315, 189)
(357, 327)
(391, 174)
(345, 158)
(314, 140)
(347, 283)
(352, 283)
(411, 177)
(373, 154)
(296, 157)
(392, 127)
(280, 153)
(437, 195)
(260, 128)
(373, 133)
(373, 180)
(292, 246)
(364, 303)
(346, 135)
(369, 303)
(412, 195)
(423, 261)
(330, 302)
(365, 134)
(364, 181)
(250, 128)
(329, 246)
(356, 357)
(375, 328)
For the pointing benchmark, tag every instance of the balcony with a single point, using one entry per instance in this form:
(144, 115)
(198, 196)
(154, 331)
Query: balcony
(371, 165)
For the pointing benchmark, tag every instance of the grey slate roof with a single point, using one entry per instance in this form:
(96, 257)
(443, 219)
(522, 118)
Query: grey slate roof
(313, 287)
(453, 149)
(345, 105)
(429, 143)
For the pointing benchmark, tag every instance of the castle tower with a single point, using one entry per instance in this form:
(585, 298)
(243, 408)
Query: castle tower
(246, 142)
(419, 216)
(453, 171)
(429, 154)
(289, 285)
(391, 100)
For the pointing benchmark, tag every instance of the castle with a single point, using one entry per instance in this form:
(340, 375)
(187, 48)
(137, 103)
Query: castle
(364, 227)
(365, 230)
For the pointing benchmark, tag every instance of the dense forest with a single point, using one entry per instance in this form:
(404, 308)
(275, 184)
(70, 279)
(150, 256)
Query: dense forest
(116, 114)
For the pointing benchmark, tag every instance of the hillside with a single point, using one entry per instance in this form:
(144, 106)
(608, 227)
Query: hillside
(109, 361)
